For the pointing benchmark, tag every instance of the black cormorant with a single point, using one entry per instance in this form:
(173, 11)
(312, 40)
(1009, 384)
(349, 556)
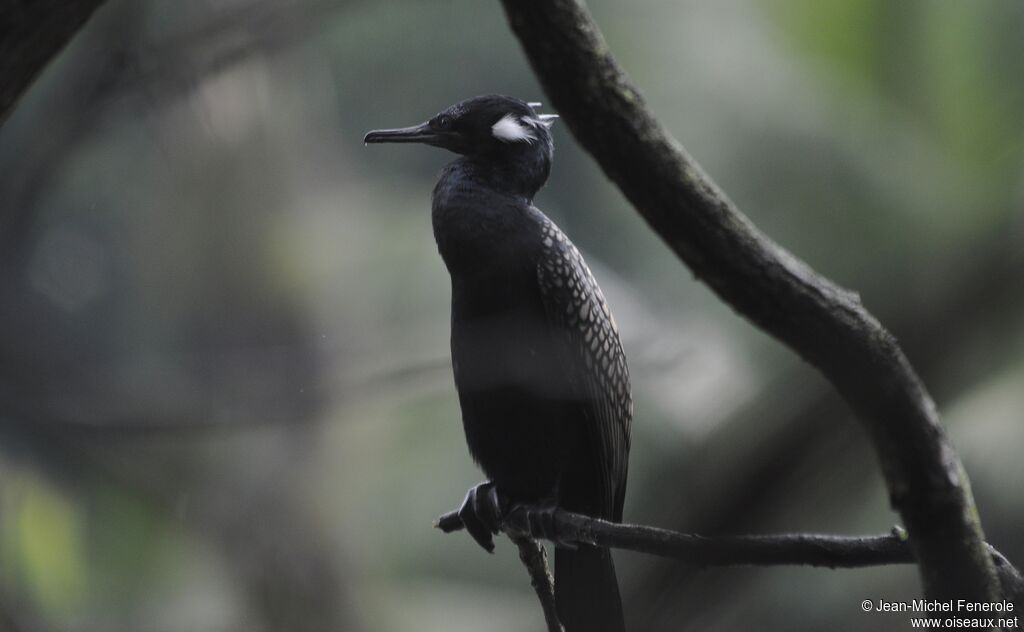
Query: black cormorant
(539, 367)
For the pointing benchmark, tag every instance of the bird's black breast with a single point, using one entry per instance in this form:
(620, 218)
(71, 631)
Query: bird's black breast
(538, 365)
(516, 402)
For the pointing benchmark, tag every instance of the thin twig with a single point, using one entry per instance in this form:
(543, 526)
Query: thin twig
(535, 559)
(788, 549)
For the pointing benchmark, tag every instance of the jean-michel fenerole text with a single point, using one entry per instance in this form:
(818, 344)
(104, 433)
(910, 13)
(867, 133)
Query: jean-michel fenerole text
(951, 605)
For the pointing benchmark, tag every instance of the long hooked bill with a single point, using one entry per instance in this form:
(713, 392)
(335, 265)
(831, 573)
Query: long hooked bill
(415, 134)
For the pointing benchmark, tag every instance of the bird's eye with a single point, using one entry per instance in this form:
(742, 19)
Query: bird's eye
(443, 121)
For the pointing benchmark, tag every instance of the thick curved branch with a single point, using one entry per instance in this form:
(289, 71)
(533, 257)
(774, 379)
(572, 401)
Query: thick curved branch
(32, 33)
(825, 324)
(788, 549)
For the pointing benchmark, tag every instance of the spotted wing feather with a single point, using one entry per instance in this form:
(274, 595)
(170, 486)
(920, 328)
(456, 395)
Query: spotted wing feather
(592, 351)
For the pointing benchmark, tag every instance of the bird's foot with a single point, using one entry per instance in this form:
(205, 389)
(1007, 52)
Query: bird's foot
(482, 512)
(541, 520)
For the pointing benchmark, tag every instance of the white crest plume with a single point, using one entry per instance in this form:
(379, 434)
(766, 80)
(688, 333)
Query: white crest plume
(547, 119)
(509, 129)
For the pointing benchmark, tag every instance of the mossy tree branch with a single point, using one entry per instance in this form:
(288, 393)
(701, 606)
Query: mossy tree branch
(824, 323)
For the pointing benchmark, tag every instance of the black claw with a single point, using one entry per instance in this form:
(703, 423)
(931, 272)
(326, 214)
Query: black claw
(482, 513)
(476, 528)
(490, 506)
(498, 505)
(483, 509)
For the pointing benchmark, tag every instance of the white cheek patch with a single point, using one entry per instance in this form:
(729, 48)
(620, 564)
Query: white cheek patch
(509, 129)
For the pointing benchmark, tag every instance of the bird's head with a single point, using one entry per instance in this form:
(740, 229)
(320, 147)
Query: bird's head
(489, 127)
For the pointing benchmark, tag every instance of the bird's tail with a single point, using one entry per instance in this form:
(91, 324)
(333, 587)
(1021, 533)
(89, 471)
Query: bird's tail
(586, 590)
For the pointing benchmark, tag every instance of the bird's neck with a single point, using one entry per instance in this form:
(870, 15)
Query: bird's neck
(481, 208)
(519, 172)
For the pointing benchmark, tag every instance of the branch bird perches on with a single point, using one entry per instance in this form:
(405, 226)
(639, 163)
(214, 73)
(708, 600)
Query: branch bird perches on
(824, 323)
(788, 549)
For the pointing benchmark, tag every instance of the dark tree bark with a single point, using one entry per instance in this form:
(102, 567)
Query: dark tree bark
(825, 324)
(32, 32)
(777, 436)
(787, 549)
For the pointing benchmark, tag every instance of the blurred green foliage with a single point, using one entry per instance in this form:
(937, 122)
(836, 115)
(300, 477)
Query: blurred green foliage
(46, 544)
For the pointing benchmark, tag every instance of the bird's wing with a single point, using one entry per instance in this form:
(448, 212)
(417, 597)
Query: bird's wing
(592, 354)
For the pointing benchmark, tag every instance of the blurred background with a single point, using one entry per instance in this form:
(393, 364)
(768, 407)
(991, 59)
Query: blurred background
(226, 402)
